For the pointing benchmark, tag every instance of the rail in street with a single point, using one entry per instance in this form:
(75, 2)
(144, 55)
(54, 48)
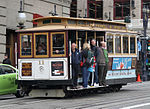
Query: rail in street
(132, 96)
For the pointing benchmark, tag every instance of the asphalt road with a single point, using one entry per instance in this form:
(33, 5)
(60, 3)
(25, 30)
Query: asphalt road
(132, 96)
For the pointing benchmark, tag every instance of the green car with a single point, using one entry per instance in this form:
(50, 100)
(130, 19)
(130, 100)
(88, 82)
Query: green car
(8, 85)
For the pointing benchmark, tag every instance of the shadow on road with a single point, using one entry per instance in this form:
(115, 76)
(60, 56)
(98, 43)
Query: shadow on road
(74, 96)
(6, 97)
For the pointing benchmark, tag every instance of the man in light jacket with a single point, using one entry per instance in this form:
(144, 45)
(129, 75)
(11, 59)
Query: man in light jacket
(101, 65)
(104, 48)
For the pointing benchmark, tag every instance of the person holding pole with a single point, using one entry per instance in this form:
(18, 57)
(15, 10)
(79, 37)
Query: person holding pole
(75, 60)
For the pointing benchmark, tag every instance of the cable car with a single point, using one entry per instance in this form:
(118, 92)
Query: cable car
(43, 53)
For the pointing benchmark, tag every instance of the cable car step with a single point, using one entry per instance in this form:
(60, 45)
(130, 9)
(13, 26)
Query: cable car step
(47, 93)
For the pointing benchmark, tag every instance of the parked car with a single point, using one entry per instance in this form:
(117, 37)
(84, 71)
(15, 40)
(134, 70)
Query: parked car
(8, 84)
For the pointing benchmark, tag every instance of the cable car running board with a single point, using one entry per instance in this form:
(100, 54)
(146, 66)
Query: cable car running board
(82, 88)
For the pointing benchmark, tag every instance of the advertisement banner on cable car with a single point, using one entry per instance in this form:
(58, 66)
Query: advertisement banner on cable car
(121, 63)
(57, 68)
(119, 74)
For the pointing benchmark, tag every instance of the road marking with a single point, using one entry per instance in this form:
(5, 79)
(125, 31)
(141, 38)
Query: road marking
(135, 106)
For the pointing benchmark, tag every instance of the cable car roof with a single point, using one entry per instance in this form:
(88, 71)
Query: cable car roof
(86, 24)
(72, 18)
(63, 27)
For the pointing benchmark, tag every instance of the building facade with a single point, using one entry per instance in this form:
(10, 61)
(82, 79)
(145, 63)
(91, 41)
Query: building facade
(8, 19)
(115, 10)
(129, 11)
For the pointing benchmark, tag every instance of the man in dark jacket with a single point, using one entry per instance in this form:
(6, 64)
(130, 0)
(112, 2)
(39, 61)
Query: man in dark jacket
(96, 52)
(76, 59)
(6, 60)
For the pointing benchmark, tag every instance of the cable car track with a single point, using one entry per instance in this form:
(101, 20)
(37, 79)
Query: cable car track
(101, 104)
(97, 102)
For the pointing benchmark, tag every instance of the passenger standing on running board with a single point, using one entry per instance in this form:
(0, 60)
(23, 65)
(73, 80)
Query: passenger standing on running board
(101, 65)
(86, 59)
(104, 48)
(76, 59)
(96, 52)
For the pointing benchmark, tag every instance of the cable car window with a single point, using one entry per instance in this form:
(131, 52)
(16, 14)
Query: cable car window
(58, 44)
(26, 45)
(125, 45)
(110, 43)
(132, 44)
(46, 21)
(56, 20)
(71, 22)
(81, 22)
(117, 44)
(89, 23)
(41, 44)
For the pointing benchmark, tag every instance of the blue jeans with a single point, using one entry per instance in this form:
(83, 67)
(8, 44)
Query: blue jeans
(85, 76)
(96, 74)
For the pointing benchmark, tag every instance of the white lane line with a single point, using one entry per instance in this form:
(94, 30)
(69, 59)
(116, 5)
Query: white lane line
(135, 106)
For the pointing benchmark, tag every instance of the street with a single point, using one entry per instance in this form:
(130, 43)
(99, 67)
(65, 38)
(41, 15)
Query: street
(132, 96)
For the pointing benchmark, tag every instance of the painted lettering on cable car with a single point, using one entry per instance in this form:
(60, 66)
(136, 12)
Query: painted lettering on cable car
(26, 69)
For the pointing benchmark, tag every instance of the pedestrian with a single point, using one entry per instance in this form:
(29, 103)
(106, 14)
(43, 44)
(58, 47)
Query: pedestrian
(104, 48)
(75, 59)
(101, 65)
(6, 59)
(87, 63)
(96, 52)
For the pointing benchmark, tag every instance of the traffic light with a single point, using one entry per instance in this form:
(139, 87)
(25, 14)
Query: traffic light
(148, 62)
(148, 55)
(127, 19)
(148, 45)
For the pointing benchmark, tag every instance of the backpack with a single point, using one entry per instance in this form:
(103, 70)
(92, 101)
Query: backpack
(90, 59)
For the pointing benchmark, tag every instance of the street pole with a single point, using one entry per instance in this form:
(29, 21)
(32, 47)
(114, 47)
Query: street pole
(145, 22)
(21, 19)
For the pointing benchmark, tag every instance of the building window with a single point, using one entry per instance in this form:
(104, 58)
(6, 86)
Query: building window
(125, 44)
(110, 43)
(58, 47)
(121, 9)
(26, 42)
(41, 44)
(118, 44)
(132, 44)
(73, 10)
(146, 3)
(95, 9)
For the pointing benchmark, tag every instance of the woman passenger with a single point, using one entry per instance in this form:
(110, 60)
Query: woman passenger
(86, 53)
